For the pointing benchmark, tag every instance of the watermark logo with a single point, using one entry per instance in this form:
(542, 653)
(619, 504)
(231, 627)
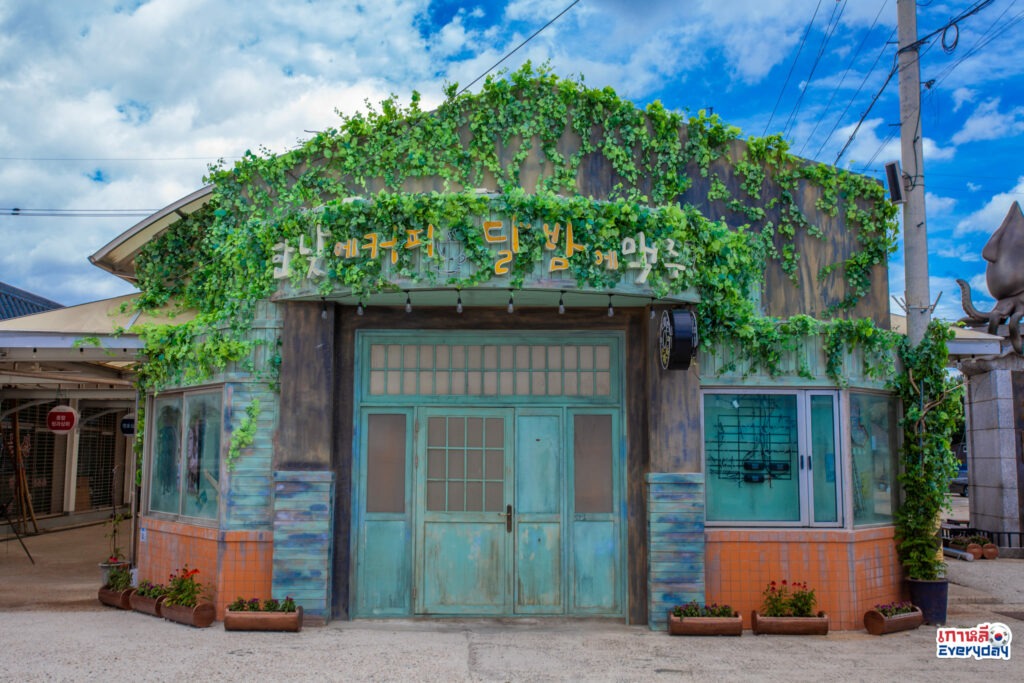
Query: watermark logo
(984, 641)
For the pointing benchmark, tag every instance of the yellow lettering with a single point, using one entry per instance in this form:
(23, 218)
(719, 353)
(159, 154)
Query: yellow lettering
(501, 265)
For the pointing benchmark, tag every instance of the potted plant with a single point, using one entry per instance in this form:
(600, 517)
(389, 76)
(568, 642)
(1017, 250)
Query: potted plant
(117, 591)
(693, 619)
(932, 407)
(989, 550)
(270, 615)
(115, 556)
(892, 617)
(183, 601)
(148, 598)
(789, 609)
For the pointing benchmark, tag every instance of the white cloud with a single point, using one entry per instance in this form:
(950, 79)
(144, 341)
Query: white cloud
(938, 205)
(988, 123)
(973, 187)
(962, 96)
(988, 218)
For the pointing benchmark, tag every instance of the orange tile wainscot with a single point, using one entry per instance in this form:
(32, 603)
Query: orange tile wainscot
(862, 563)
(230, 563)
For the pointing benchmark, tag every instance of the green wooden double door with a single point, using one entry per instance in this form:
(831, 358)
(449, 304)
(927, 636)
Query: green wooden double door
(506, 511)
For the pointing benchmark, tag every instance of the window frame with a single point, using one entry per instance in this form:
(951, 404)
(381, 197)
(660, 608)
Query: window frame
(182, 396)
(804, 473)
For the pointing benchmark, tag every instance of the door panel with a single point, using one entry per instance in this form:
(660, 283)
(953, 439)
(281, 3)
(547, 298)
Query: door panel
(595, 567)
(538, 514)
(464, 540)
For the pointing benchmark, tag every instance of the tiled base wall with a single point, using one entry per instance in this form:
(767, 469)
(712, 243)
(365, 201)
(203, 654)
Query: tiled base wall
(231, 564)
(851, 571)
(676, 537)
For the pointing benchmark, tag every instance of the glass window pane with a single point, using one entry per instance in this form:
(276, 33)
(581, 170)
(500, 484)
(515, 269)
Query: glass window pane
(377, 382)
(456, 431)
(495, 466)
(873, 428)
(474, 464)
(823, 459)
(435, 463)
(202, 455)
(165, 483)
(555, 358)
(385, 463)
(494, 496)
(409, 357)
(592, 463)
(456, 496)
(435, 495)
(495, 432)
(474, 496)
(490, 357)
(377, 356)
(456, 464)
(394, 356)
(435, 432)
(751, 447)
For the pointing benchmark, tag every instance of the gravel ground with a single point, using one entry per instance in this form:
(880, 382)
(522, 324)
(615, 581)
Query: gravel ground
(53, 629)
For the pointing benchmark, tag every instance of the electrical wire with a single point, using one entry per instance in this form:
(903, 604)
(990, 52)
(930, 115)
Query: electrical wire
(842, 79)
(516, 48)
(792, 66)
(830, 29)
(75, 213)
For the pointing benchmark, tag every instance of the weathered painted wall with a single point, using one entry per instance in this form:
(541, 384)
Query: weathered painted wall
(676, 539)
(303, 539)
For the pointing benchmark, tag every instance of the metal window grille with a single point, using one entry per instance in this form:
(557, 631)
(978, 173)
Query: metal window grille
(96, 458)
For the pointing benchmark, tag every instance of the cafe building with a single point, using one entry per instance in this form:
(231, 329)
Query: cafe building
(511, 383)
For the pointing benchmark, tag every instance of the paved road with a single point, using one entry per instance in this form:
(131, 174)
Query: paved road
(53, 629)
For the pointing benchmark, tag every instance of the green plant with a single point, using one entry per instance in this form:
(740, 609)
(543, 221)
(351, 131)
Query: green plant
(183, 589)
(245, 434)
(694, 609)
(116, 555)
(119, 578)
(891, 609)
(788, 600)
(148, 589)
(270, 605)
(932, 410)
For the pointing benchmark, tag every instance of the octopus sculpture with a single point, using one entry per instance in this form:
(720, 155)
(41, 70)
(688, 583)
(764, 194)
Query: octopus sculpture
(1005, 278)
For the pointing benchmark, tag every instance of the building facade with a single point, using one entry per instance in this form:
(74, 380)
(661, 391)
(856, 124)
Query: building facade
(620, 376)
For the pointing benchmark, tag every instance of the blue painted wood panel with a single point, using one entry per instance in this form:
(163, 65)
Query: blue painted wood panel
(303, 539)
(595, 567)
(539, 503)
(385, 569)
(465, 568)
(676, 537)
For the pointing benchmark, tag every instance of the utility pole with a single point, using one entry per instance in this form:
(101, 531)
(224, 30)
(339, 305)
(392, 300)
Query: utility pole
(915, 230)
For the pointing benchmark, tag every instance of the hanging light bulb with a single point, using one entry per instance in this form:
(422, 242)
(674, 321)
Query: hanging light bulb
(652, 308)
(323, 308)
(359, 308)
(458, 306)
(408, 303)
(611, 311)
(561, 303)
(511, 305)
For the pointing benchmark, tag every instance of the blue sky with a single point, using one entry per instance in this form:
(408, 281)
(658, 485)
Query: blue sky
(119, 105)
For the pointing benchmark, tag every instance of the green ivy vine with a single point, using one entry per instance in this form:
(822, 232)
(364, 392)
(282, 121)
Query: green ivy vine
(244, 435)
(219, 260)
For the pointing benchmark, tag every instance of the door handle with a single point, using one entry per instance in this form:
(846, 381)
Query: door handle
(507, 514)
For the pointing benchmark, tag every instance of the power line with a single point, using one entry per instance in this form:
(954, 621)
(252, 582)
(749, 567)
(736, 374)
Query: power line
(106, 159)
(75, 213)
(835, 91)
(516, 48)
(830, 29)
(792, 66)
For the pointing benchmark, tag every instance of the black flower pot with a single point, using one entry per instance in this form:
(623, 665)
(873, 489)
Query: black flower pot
(931, 597)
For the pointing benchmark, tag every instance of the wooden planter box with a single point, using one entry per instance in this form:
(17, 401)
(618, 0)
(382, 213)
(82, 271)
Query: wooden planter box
(705, 626)
(790, 626)
(200, 616)
(263, 621)
(146, 605)
(118, 599)
(878, 624)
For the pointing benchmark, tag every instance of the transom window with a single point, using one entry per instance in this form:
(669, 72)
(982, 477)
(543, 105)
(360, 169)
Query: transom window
(507, 370)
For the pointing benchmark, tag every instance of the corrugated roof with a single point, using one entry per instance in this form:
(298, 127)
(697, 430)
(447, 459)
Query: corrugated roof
(15, 302)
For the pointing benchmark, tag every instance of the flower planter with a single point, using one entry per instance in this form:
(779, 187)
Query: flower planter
(878, 624)
(990, 551)
(931, 597)
(200, 616)
(790, 626)
(974, 549)
(118, 599)
(141, 603)
(105, 568)
(705, 626)
(263, 621)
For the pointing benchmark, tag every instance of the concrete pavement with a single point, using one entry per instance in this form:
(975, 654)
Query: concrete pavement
(53, 629)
